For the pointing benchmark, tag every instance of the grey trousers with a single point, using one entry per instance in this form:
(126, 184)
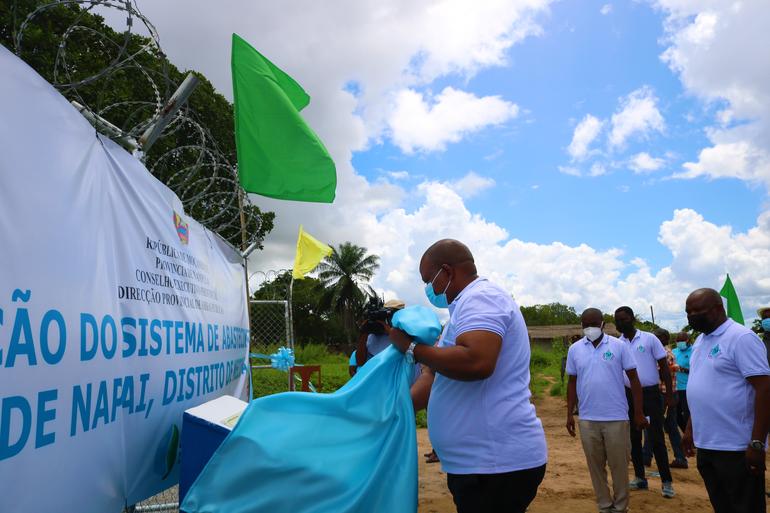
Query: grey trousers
(607, 444)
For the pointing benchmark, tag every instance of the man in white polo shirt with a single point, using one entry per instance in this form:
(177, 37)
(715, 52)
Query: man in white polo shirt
(729, 397)
(652, 366)
(480, 419)
(596, 365)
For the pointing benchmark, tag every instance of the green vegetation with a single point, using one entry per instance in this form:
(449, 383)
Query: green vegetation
(93, 49)
(545, 370)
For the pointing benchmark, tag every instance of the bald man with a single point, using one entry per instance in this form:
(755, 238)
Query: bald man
(728, 392)
(480, 419)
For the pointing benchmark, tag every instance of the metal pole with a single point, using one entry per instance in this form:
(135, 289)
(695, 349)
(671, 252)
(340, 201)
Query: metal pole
(652, 313)
(165, 116)
(290, 329)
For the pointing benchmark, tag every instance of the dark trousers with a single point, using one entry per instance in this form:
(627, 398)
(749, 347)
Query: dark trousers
(671, 428)
(730, 485)
(652, 405)
(682, 410)
(510, 492)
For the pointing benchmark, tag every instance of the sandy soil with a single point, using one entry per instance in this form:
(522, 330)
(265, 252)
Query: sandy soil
(567, 487)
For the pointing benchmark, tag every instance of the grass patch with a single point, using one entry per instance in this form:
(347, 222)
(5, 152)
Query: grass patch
(545, 370)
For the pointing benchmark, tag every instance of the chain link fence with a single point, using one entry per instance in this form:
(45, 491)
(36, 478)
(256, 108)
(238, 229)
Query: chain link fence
(270, 328)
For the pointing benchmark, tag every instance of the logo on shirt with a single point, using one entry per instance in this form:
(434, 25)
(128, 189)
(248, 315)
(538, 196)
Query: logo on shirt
(715, 351)
(640, 349)
(608, 356)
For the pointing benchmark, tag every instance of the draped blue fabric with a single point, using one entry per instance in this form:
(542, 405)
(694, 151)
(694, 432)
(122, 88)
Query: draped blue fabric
(352, 451)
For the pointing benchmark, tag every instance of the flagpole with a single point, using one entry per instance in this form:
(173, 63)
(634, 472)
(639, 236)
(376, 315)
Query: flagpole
(245, 251)
(290, 342)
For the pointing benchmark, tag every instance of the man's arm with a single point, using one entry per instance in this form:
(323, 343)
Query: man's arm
(688, 445)
(571, 400)
(665, 377)
(420, 390)
(636, 393)
(473, 357)
(755, 458)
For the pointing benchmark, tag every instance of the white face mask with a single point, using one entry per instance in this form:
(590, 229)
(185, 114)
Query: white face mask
(592, 333)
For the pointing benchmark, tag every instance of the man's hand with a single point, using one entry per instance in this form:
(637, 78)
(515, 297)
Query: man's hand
(755, 460)
(640, 422)
(398, 337)
(571, 425)
(688, 445)
(671, 400)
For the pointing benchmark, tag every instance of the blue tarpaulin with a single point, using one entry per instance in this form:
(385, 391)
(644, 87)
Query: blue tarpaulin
(354, 450)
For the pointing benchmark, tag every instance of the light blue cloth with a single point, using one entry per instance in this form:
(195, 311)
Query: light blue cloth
(682, 359)
(351, 451)
(418, 321)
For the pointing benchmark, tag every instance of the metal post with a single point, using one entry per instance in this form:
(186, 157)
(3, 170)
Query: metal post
(165, 116)
(290, 329)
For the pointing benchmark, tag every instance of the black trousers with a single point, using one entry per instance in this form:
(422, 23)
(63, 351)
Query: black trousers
(510, 492)
(730, 485)
(652, 404)
(682, 410)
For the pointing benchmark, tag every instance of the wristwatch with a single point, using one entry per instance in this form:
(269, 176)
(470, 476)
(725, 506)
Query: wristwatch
(757, 445)
(410, 352)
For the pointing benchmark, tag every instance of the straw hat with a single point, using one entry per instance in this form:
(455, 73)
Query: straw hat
(396, 304)
(762, 309)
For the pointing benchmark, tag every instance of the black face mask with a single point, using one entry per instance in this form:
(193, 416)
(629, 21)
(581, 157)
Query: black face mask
(624, 326)
(699, 322)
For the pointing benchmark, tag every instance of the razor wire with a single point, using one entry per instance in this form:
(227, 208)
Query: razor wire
(198, 171)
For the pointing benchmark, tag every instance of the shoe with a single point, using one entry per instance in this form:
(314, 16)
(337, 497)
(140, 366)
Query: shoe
(638, 484)
(668, 490)
(679, 464)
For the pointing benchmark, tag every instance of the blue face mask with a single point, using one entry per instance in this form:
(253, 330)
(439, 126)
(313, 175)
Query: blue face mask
(437, 300)
(681, 346)
(766, 324)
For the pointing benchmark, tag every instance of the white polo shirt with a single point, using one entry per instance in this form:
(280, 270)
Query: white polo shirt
(647, 350)
(487, 426)
(721, 401)
(600, 371)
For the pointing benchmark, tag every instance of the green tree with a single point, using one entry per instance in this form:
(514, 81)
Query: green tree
(313, 323)
(126, 98)
(549, 315)
(345, 274)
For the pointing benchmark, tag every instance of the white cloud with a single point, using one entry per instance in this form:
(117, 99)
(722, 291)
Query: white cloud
(585, 133)
(398, 175)
(569, 170)
(638, 116)
(716, 48)
(428, 125)
(644, 163)
(597, 169)
(402, 46)
(471, 184)
(606, 9)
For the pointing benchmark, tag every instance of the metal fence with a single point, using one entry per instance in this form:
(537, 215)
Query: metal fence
(270, 328)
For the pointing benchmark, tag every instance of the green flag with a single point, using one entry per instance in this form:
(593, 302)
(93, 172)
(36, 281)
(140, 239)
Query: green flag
(733, 306)
(278, 154)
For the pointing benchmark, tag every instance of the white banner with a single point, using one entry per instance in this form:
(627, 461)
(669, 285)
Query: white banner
(117, 312)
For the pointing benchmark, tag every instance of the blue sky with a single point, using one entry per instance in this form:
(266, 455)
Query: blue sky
(516, 126)
(582, 64)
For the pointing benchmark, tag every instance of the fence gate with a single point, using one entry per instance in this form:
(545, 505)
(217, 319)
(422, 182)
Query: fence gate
(270, 328)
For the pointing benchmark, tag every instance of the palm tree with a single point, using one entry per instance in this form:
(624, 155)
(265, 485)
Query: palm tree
(346, 274)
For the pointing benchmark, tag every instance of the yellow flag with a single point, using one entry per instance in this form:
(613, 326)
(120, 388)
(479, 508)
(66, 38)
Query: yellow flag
(310, 252)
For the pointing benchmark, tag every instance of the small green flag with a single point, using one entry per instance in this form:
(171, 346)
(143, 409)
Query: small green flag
(279, 156)
(733, 306)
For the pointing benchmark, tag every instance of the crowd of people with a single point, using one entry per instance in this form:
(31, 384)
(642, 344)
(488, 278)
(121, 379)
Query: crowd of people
(711, 396)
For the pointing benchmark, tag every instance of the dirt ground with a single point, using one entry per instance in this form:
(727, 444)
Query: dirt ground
(567, 486)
